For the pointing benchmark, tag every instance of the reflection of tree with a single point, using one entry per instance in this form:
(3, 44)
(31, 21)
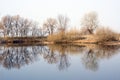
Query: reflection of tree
(64, 59)
(15, 57)
(57, 56)
(51, 57)
(64, 62)
(90, 60)
(106, 51)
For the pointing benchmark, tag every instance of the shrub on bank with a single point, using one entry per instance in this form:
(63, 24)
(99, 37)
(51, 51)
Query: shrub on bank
(105, 34)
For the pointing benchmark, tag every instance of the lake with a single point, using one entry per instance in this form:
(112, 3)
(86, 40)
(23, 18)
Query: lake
(60, 62)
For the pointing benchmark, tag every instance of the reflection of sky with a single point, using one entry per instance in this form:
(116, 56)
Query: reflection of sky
(41, 70)
(39, 10)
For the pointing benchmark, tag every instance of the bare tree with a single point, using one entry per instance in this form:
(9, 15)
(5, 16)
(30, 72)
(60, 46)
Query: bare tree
(42, 32)
(89, 22)
(50, 25)
(16, 26)
(62, 23)
(36, 32)
(7, 24)
(25, 27)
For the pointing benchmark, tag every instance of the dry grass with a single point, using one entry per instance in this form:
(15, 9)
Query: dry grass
(102, 35)
(105, 34)
(55, 37)
(72, 34)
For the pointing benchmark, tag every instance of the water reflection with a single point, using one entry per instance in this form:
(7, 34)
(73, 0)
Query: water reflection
(90, 61)
(17, 57)
(93, 55)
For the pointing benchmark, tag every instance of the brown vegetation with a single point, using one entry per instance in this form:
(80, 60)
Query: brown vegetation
(72, 34)
(105, 34)
(56, 30)
(55, 37)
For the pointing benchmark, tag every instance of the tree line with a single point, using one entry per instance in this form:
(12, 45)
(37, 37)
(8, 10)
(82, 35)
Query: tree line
(17, 26)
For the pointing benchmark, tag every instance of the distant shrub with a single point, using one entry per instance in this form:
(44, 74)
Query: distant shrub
(105, 34)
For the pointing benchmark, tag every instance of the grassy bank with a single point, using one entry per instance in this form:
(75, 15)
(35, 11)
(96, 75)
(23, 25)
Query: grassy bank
(101, 36)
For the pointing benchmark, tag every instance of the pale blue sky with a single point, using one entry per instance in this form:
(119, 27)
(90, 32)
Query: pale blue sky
(39, 10)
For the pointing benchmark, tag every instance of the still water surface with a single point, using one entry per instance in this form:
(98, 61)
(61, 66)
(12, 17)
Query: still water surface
(60, 62)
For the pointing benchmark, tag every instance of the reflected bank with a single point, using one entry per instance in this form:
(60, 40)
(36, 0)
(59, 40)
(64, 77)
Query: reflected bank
(60, 55)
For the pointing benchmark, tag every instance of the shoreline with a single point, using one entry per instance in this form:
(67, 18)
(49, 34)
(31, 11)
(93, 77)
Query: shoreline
(44, 41)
